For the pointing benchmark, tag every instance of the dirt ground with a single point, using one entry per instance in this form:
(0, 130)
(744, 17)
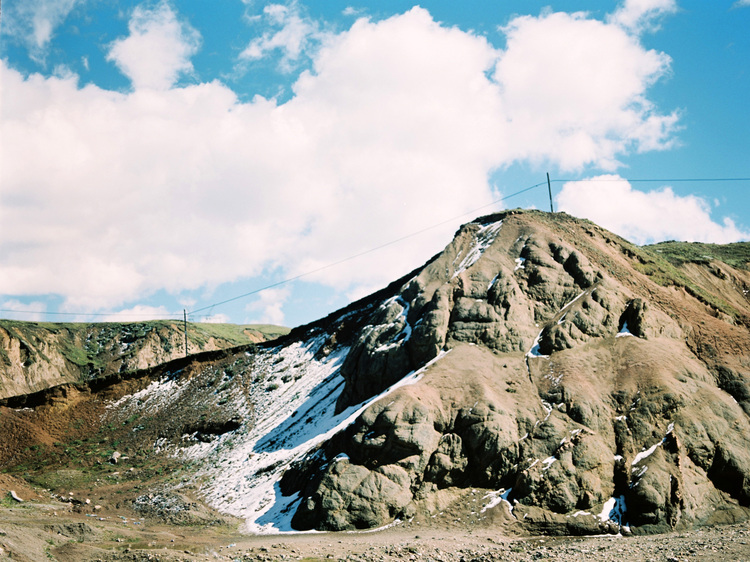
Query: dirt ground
(40, 528)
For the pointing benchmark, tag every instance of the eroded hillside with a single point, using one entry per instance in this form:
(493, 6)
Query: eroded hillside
(35, 356)
(582, 383)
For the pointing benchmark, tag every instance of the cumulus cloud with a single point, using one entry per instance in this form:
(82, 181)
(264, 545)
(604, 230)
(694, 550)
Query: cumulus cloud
(110, 196)
(158, 49)
(574, 90)
(268, 307)
(34, 21)
(291, 33)
(638, 16)
(645, 216)
(139, 313)
(741, 4)
(16, 310)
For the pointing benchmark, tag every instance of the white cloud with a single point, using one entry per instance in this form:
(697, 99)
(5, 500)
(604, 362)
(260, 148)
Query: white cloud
(34, 21)
(574, 90)
(638, 16)
(16, 310)
(741, 4)
(158, 49)
(268, 308)
(645, 216)
(139, 313)
(111, 196)
(292, 35)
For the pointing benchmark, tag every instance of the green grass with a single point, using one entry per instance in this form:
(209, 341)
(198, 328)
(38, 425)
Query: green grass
(678, 253)
(662, 263)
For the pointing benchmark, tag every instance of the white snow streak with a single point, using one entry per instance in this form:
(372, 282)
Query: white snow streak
(405, 333)
(645, 453)
(243, 469)
(483, 239)
(498, 497)
(534, 351)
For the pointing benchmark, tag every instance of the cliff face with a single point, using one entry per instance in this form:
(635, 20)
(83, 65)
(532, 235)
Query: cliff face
(36, 356)
(585, 384)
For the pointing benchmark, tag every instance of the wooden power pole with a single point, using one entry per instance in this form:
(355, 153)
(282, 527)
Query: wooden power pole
(549, 187)
(184, 316)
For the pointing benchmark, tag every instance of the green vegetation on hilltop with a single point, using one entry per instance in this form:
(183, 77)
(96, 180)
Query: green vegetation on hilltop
(678, 253)
(662, 262)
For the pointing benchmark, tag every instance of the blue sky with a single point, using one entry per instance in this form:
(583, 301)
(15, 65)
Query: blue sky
(163, 156)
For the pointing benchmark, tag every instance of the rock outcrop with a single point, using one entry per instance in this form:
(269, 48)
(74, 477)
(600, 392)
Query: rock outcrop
(568, 381)
(587, 385)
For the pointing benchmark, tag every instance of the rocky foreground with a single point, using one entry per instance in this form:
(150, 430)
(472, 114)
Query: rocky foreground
(540, 376)
(38, 534)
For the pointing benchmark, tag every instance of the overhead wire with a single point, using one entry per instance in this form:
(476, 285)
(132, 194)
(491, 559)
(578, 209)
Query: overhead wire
(376, 248)
(365, 252)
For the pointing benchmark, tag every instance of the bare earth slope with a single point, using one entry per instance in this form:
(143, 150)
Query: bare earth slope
(541, 375)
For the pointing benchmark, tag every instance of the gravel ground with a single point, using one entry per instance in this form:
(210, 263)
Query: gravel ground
(40, 531)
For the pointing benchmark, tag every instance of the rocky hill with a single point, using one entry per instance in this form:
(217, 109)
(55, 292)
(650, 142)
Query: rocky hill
(35, 356)
(539, 375)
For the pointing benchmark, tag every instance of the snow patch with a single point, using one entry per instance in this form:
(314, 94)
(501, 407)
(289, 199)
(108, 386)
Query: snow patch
(498, 497)
(534, 351)
(405, 333)
(483, 239)
(243, 469)
(549, 461)
(645, 453)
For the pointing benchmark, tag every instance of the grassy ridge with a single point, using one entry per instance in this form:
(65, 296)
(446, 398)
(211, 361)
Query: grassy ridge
(678, 253)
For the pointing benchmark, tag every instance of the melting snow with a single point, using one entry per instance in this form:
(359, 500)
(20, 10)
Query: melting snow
(498, 497)
(243, 469)
(405, 332)
(534, 351)
(645, 453)
(520, 264)
(483, 239)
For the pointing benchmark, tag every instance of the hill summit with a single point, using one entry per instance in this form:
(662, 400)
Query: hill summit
(540, 375)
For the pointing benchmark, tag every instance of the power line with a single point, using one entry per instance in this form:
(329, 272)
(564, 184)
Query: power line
(46, 313)
(652, 180)
(381, 246)
(365, 252)
(167, 316)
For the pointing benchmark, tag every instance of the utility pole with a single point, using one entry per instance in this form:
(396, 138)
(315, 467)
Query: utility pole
(549, 187)
(184, 316)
